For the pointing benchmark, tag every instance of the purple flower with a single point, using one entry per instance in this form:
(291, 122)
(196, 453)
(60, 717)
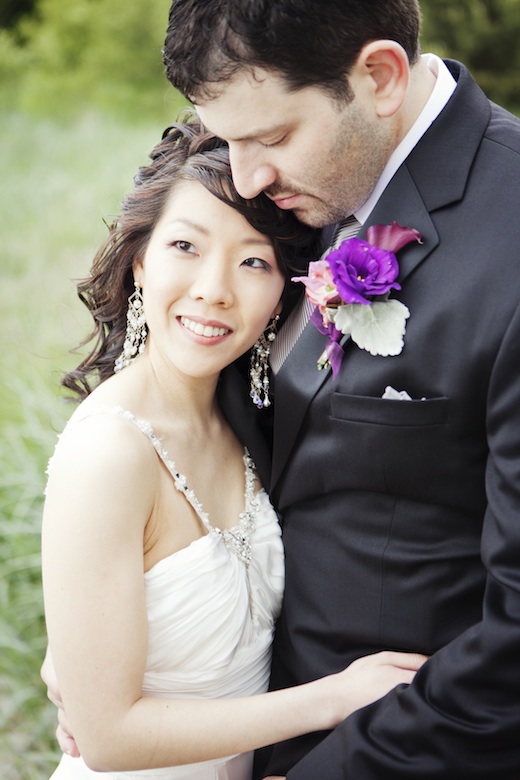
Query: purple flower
(356, 272)
(361, 270)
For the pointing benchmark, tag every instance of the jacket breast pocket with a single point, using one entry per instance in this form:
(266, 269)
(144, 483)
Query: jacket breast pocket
(384, 411)
(405, 448)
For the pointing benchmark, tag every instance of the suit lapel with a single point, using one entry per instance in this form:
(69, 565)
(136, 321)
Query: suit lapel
(296, 384)
(419, 187)
(299, 380)
(244, 418)
(402, 203)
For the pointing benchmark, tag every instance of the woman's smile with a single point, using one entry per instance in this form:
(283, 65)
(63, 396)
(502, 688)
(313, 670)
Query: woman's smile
(200, 328)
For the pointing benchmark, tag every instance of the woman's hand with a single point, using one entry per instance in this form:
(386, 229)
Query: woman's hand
(63, 734)
(370, 678)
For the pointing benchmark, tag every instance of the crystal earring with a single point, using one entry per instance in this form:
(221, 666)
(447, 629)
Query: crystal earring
(136, 332)
(259, 366)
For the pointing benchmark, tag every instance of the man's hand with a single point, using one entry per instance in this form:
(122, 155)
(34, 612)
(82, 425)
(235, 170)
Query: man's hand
(63, 733)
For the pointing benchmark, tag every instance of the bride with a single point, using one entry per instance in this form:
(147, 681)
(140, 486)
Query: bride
(162, 557)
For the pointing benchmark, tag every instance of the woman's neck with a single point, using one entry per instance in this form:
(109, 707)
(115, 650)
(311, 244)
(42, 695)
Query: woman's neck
(191, 398)
(161, 394)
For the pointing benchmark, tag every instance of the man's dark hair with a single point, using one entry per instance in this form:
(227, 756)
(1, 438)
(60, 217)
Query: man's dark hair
(310, 42)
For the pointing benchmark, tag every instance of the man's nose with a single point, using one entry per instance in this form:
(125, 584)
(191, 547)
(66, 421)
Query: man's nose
(251, 174)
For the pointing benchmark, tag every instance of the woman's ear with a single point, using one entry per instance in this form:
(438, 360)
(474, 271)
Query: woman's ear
(137, 270)
(385, 68)
(278, 309)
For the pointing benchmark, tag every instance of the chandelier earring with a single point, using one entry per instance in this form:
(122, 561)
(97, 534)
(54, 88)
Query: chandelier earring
(259, 365)
(136, 332)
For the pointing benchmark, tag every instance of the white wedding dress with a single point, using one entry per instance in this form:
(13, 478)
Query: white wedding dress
(211, 611)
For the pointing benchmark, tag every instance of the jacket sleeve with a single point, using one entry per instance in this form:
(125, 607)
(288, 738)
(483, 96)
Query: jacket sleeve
(461, 716)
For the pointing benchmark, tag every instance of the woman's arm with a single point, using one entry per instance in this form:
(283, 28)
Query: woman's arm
(99, 497)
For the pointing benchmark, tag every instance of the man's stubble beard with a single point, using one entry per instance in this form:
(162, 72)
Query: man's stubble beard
(359, 155)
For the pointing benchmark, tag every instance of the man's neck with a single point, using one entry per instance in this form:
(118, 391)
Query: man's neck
(421, 85)
(430, 89)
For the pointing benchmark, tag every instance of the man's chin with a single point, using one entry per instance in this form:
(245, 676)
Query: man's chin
(313, 218)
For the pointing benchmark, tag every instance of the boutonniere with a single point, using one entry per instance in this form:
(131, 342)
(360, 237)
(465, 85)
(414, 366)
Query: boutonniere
(351, 289)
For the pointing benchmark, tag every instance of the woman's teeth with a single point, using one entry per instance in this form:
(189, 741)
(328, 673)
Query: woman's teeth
(203, 330)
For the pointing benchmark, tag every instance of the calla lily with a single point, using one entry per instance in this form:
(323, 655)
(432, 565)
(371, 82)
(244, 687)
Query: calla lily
(392, 237)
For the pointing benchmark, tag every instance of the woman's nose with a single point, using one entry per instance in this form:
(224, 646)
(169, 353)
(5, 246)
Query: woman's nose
(213, 284)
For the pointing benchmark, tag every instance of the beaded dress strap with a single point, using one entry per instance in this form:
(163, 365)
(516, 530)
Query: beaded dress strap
(237, 538)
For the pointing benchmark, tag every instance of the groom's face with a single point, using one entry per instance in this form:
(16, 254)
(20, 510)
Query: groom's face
(306, 150)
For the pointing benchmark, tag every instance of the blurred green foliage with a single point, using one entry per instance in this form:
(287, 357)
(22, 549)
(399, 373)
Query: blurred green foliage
(11, 10)
(63, 56)
(56, 57)
(485, 35)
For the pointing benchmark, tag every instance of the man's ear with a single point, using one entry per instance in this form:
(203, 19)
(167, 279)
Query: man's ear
(385, 64)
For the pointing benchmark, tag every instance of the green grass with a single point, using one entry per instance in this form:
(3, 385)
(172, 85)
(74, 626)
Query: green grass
(59, 180)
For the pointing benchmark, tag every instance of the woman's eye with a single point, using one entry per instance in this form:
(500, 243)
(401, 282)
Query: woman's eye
(257, 262)
(184, 246)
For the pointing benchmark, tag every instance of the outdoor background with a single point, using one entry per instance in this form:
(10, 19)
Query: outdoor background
(83, 99)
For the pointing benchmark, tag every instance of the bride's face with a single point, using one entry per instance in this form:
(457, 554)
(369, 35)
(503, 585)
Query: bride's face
(210, 283)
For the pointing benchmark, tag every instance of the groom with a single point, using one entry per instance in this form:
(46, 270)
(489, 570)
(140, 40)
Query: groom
(401, 518)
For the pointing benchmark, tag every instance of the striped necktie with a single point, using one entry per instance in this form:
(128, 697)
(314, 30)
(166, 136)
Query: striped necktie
(293, 327)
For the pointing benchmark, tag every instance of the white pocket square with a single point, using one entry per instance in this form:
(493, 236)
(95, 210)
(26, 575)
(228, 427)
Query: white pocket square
(397, 395)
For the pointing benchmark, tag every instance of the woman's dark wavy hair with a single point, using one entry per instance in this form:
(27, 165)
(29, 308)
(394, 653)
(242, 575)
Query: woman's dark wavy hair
(310, 42)
(187, 151)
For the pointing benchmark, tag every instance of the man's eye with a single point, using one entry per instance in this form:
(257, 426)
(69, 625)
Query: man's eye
(272, 144)
(257, 262)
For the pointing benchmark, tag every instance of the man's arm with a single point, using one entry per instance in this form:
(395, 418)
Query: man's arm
(461, 716)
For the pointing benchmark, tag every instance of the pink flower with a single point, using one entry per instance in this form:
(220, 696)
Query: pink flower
(392, 237)
(319, 285)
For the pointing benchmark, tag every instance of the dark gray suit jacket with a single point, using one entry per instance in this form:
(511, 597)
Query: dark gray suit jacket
(401, 519)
